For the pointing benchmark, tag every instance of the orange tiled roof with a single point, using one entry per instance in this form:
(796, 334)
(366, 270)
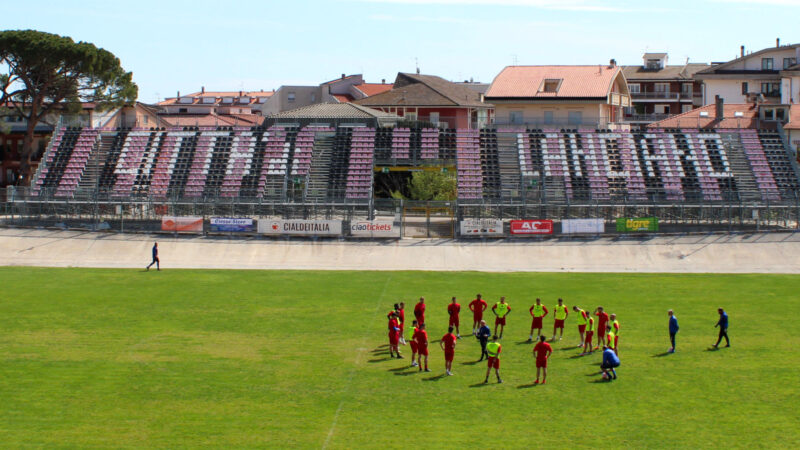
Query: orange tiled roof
(794, 118)
(576, 81)
(374, 88)
(692, 119)
(196, 96)
(209, 120)
(343, 98)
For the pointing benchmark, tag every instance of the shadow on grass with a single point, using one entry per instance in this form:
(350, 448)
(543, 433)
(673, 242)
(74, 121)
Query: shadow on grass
(712, 349)
(377, 360)
(660, 355)
(404, 374)
(579, 355)
(600, 380)
(435, 377)
(479, 385)
(594, 374)
(398, 369)
(526, 386)
(563, 349)
(524, 342)
(470, 363)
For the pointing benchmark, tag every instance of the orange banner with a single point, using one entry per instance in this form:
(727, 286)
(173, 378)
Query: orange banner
(182, 224)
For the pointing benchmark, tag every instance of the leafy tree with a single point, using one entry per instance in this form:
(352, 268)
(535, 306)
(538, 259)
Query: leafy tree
(432, 186)
(43, 73)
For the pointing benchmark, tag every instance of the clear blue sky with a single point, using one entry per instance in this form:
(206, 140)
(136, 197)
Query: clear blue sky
(175, 45)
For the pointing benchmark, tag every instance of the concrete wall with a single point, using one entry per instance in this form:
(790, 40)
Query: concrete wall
(534, 113)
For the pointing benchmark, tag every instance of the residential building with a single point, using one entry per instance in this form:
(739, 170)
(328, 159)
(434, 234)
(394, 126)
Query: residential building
(333, 114)
(769, 76)
(717, 116)
(560, 96)
(659, 90)
(433, 99)
(345, 89)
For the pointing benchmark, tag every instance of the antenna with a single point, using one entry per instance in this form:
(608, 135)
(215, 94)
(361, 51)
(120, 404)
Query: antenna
(416, 63)
(514, 58)
(158, 96)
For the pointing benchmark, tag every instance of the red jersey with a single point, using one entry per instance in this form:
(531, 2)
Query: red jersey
(602, 319)
(402, 314)
(478, 305)
(421, 336)
(419, 309)
(392, 325)
(449, 341)
(453, 309)
(541, 350)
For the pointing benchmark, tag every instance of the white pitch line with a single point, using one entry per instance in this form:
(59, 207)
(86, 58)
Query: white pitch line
(361, 351)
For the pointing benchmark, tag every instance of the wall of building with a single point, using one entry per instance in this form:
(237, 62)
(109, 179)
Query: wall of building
(754, 62)
(592, 114)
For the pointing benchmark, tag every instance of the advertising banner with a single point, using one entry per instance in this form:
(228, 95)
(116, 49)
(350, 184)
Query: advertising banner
(481, 227)
(583, 226)
(232, 224)
(299, 227)
(627, 224)
(374, 229)
(531, 227)
(182, 224)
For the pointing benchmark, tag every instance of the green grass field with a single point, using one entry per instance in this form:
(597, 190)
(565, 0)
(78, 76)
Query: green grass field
(189, 358)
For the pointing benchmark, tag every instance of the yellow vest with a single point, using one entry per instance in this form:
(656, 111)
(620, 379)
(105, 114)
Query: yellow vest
(610, 339)
(561, 312)
(492, 348)
(538, 310)
(502, 309)
(581, 319)
(591, 324)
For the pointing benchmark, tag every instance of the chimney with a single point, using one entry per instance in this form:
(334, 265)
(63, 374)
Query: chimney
(719, 108)
(383, 80)
(202, 89)
(343, 76)
(742, 50)
(179, 94)
(612, 63)
(777, 42)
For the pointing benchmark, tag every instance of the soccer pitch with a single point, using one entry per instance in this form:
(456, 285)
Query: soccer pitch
(225, 358)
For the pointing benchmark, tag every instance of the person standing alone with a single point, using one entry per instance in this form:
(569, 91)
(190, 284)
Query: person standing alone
(673, 330)
(722, 323)
(448, 344)
(155, 258)
(542, 351)
(453, 309)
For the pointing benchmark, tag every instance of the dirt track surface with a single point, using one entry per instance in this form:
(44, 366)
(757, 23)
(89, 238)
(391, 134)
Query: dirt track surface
(746, 253)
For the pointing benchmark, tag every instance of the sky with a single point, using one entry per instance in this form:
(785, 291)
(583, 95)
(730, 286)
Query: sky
(177, 45)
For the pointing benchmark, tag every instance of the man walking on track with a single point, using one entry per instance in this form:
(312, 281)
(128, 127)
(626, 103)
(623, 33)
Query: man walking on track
(477, 306)
(453, 309)
(561, 312)
(542, 351)
(722, 323)
(538, 311)
(583, 319)
(602, 320)
(421, 336)
(673, 330)
(493, 349)
(419, 311)
(483, 334)
(155, 261)
(448, 344)
(500, 310)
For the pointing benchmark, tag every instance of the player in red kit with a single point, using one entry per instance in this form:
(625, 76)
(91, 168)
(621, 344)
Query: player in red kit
(602, 321)
(477, 306)
(448, 344)
(453, 309)
(421, 336)
(542, 351)
(394, 335)
(401, 316)
(413, 343)
(419, 311)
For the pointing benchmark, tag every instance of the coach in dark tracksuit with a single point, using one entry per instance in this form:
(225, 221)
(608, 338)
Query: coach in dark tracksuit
(155, 258)
(722, 323)
(483, 336)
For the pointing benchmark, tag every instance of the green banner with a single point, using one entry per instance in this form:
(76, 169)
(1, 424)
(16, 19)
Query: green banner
(637, 224)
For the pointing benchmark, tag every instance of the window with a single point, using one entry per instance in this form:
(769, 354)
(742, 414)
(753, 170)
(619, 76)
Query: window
(515, 117)
(634, 88)
(771, 89)
(290, 97)
(434, 118)
(550, 85)
(686, 108)
(575, 117)
(766, 64)
(183, 110)
(145, 119)
(744, 88)
(548, 117)
(411, 116)
(661, 109)
(662, 87)
(769, 114)
(789, 62)
(686, 89)
(313, 98)
(654, 64)
(780, 114)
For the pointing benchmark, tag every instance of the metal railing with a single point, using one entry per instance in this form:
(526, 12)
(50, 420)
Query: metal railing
(662, 95)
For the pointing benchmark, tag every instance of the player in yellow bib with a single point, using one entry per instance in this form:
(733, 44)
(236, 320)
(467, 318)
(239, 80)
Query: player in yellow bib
(561, 312)
(500, 310)
(615, 329)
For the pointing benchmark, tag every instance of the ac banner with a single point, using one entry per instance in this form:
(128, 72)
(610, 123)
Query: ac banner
(374, 229)
(182, 224)
(628, 224)
(232, 224)
(481, 227)
(299, 227)
(583, 226)
(531, 227)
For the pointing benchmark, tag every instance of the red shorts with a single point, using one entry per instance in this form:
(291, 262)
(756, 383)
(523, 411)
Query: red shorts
(477, 317)
(494, 362)
(616, 341)
(420, 319)
(394, 338)
(449, 354)
(500, 321)
(453, 321)
(422, 350)
(413, 346)
(541, 362)
(581, 328)
(559, 323)
(537, 322)
(589, 335)
(602, 329)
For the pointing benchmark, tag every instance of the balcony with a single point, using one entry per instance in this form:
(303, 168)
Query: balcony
(663, 95)
(645, 118)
